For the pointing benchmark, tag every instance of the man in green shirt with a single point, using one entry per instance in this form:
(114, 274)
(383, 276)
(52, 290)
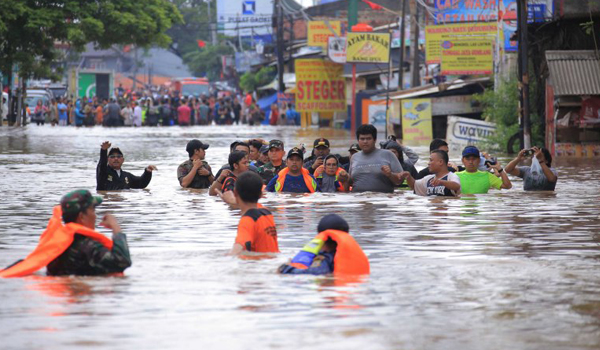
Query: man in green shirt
(474, 181)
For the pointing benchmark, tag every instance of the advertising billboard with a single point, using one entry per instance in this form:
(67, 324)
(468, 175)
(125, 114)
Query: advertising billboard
(250, 19)
(438, 36)
(467, 57)
(319, 32)
(320, 86)
(368, 47)
(459, 11)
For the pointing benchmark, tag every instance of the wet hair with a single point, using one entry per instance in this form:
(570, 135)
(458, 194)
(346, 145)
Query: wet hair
(442, 154)
(235, 157)
(547, 156)
(248, 186)
(366, 129)
(332, 222)
(256, 144)
(436, 144)
(234, 145)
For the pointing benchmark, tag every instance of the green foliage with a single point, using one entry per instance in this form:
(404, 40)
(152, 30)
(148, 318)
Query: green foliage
(207, 61)
(501, 107)
(29, 29)
(588, 27)
(195, 25)
(250, 81)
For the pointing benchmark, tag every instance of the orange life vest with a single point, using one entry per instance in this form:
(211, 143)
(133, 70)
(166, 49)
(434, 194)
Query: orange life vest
(349, 257)
(311, 184)
(53, 242)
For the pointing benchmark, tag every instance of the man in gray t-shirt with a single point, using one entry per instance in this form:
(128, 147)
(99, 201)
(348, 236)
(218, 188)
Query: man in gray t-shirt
(537, 177)
(372, 169)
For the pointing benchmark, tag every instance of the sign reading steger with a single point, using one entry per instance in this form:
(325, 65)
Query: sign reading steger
(320, 86)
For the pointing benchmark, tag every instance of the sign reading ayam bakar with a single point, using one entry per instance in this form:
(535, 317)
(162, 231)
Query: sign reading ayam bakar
(368, 48)
(320, 86)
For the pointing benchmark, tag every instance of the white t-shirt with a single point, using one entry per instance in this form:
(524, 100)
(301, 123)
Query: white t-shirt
(423, 187)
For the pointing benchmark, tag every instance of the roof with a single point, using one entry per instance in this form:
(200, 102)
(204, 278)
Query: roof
(574, 73)
(433, 89)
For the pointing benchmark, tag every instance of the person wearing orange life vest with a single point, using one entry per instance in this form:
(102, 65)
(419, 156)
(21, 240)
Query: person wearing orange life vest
(333, 250)
(224, 185)
(294, 178)
(256, 231)
(331, 177)
(75, 248)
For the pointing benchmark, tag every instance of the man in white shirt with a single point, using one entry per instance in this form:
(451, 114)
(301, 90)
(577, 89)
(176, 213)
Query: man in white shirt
(440, 182)
(137, 114)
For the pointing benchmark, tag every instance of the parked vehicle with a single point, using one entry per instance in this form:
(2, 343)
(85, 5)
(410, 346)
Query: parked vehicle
(190, 86)
(34, 95)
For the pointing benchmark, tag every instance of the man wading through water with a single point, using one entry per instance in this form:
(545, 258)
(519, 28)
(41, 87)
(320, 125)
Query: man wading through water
(109, 175)
(75, 247)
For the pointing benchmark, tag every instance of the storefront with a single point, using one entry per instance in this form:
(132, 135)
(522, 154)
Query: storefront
(573, 103)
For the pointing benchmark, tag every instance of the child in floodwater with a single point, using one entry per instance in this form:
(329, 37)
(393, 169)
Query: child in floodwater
(333, 250)
(256, 230)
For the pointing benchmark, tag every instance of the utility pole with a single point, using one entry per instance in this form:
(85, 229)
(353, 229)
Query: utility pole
(523, 71)
(278, 22)
(352, 21)
(291, 41)
(211, 29)
(402, 33)
(414, 49)
(352, 13)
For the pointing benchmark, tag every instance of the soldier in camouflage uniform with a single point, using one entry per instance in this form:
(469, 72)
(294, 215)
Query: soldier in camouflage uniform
(86, 256)
(275, 164)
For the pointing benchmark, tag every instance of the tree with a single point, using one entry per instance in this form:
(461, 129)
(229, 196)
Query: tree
(195, 26)
(29, 28)
(207, 61)
(250, 81)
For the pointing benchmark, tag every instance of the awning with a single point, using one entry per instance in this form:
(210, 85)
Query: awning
(431, 89)
(289, 80)
(574, 73)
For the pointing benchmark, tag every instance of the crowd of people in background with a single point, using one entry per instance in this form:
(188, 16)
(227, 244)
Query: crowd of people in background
(160, 106)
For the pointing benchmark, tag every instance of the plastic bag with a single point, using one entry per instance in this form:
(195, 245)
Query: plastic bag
(538, 179)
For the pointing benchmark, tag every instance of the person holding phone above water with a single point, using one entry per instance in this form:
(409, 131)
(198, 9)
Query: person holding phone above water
(540, 176)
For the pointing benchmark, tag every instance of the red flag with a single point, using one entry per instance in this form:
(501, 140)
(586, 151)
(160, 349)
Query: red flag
(201, 43)
(373, 5)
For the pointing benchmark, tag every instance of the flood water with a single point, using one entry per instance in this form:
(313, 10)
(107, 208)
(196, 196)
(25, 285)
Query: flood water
(507, 270)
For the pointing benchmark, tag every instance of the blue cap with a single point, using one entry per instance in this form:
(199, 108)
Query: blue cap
(470, 151)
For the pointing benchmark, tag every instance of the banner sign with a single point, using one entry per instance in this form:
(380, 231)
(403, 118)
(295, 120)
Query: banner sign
(246, 19)
(417, 126)
(319, 33)
(320, 86)
(437, 36)
(467, 57)
(337, 49)
(453, 11)
(463, 132)
(368, 48)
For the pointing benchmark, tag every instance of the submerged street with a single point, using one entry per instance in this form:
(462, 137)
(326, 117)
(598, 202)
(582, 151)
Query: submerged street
(506, 270)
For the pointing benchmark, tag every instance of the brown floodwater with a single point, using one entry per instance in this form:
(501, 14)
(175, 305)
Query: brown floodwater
(506, 270)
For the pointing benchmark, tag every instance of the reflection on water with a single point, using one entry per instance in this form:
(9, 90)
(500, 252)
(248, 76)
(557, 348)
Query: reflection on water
(504, 270)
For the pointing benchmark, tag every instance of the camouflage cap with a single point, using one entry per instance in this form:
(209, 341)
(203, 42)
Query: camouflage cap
(78, 201)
